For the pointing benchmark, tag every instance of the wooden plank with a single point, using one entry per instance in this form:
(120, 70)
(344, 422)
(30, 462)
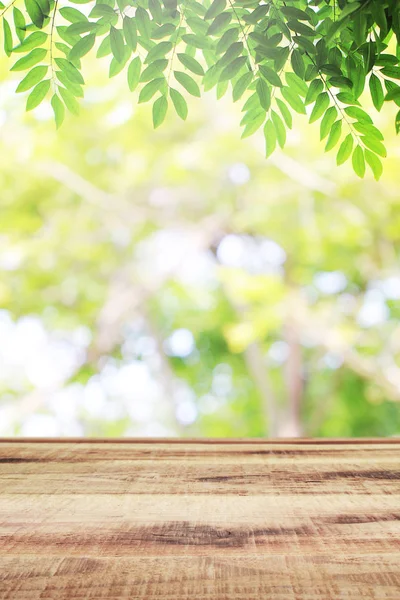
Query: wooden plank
(200, 519)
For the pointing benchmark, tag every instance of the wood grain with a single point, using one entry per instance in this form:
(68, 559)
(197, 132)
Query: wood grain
(201, 520)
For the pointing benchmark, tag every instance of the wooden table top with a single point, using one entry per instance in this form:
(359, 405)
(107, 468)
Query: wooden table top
(200, 520)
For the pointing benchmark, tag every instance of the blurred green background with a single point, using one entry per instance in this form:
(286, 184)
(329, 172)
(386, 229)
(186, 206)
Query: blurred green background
(176, 283)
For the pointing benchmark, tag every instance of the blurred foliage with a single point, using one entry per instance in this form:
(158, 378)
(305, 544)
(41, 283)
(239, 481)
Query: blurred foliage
(173, 282)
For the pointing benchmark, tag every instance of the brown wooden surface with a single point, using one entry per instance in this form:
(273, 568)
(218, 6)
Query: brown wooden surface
(200, 520)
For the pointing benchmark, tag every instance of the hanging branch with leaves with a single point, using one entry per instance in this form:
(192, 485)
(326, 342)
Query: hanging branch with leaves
(275, 56)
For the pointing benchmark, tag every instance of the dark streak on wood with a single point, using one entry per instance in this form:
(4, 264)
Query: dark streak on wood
(14, 460)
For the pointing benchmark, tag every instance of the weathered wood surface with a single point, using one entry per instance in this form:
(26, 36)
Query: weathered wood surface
(179, 520)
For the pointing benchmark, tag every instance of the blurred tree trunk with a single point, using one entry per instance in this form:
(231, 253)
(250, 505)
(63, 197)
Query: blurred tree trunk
(292, 426)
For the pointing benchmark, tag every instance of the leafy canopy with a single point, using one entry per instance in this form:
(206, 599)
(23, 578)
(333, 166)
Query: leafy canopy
(313, 57)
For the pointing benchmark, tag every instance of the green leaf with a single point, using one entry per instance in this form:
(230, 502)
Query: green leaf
(82, 47)
(229, 37)
(38, 94)
(187, 82)
(44, 6)
(393, 72)
(71, 71)
(386, 60)
(222, 88)
(397, 123)
(116, 66)
(241, 85)
(130, 33)
(69, 100)
(233, 68)
(376, 90)
(191, 63)
(296, 84)
(334, 135)
(19, 22)
(160, 108)
(196, 41)
(358, 161)
(285, 112)
(264, 93)
(210, 79)
(62, 48)
(19, 19)
(341, 82)
(252, 103)
(148, 91)
(368, 129)
(393, 94)
(301, 28)
(35, 13)
(316, 88)
(32, 78)
(38, 38)
(215, 9)
(143, 22)
(295, 13)
(105, 48)
(374, 163)
(64, 35)
(305, 43)
(356, 73)
(358, 113)
(345, 150)
(320, 106)
(31, 59)
(117, 44)
(134, 73)
(170, 4)
(158, 51)
(256, 15)
(81, 27)
(58, 109)
(331, 70)
(74, 88)
(198, 26)
(348, 9)
(219, 23)
(327, 121)
(346, 98)
(232, 52)
(154, 71)
(359, 27)
(72, 15)
(270, 138)
(393, 89)
(293, 99)
(179, 103)
(279, 128)
(270, 75)
(79, 2)
(375, 145)
(8, 42)
(102, 10)
(297, 63)
(165, 30)
(280, 58)
(155, 10)
(252, 121)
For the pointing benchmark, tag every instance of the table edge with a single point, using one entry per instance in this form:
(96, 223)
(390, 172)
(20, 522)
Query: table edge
(148, 440)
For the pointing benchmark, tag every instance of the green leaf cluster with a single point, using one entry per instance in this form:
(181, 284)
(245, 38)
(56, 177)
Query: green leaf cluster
(312, 57)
